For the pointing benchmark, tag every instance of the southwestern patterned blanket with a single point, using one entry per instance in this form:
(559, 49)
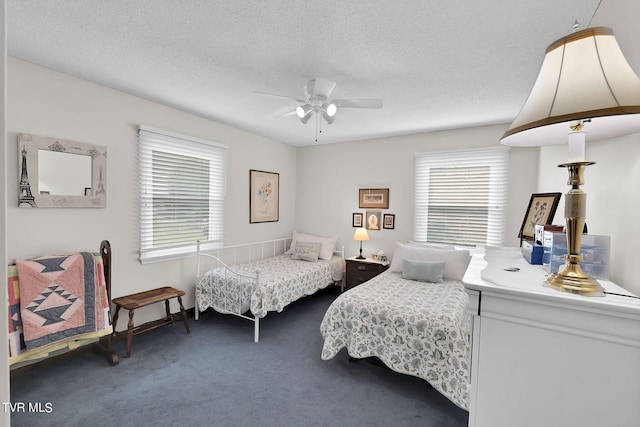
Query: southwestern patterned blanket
(56, 298)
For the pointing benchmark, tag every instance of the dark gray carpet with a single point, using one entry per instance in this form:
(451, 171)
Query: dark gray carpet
(217, 376)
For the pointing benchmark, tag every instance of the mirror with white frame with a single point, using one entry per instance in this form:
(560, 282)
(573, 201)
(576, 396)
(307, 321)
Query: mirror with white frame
(60, 173)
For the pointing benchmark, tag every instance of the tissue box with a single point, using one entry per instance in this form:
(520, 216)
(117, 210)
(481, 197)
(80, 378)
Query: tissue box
(532, 252)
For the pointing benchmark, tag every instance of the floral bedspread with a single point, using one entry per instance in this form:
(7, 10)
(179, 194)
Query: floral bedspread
(281, 281)
(415, 328)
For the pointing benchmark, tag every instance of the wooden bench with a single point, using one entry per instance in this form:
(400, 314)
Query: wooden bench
(141, 299)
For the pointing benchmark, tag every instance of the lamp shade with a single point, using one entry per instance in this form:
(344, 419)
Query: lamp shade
(361, 234)
(584, 76)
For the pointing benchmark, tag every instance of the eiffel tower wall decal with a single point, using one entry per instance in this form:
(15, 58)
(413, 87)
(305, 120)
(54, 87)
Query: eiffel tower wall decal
(58, 173)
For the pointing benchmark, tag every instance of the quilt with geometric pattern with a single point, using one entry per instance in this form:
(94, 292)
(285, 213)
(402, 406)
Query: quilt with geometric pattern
(61, 297)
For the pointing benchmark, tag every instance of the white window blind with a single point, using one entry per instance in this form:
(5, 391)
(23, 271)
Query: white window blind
(182, 192)
(460, 196)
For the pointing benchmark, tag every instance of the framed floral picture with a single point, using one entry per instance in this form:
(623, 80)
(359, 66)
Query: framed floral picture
(541, 210)
(264, 193)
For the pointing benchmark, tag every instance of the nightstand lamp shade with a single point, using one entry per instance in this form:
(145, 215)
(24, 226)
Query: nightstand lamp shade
(360, 235)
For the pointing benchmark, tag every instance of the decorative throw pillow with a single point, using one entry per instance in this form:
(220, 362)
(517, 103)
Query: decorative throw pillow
(306, 251)
(423, 271)
(456, 261)
(328, 243)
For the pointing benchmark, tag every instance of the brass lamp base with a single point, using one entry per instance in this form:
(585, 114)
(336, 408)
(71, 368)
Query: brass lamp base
(573, 280)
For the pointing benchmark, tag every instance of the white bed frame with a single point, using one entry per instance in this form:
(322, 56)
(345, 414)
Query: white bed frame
(232, 255)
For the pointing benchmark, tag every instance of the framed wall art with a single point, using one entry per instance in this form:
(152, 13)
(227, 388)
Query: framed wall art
(376, 198)
(264, 194)
(373, 220)
(389, 221)
(541, 210)
(357, 220)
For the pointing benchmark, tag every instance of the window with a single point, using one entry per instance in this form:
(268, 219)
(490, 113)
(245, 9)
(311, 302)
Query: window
(460, 196)
(182, 190)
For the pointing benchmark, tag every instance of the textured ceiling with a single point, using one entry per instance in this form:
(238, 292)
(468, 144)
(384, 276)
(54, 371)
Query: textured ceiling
(435, 64)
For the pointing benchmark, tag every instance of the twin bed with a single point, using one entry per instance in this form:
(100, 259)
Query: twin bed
(413, 318)
(252, 280)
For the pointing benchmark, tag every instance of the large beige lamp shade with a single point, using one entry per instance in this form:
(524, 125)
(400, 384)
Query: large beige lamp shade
(585, 87)
(584, 76)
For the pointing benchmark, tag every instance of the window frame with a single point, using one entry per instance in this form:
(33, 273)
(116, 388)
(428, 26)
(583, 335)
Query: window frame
(152, 139)
(497, 158)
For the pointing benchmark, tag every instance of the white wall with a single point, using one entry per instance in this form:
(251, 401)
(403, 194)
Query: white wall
(329, 177)
(612, 197)
(45, 102)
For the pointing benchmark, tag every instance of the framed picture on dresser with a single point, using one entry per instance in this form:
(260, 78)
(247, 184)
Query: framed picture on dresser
(541, 210)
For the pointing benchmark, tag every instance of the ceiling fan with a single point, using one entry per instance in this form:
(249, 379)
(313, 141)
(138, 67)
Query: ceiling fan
(317, 99)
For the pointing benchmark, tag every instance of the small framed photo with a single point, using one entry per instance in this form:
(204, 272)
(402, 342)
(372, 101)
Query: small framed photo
(541, 210)
(376, 198)
(373, 220)
(357, 220)
(389, 221)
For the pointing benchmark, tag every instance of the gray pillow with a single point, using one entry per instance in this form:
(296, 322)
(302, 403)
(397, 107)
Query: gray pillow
(306, 251)
(423, 271)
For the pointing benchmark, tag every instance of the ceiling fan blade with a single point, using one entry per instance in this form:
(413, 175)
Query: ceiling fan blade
(286, 112)
(358, 103)
(323, 87)
(280, 96)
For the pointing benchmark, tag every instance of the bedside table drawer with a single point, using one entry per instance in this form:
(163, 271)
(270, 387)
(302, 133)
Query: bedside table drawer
(360, 271)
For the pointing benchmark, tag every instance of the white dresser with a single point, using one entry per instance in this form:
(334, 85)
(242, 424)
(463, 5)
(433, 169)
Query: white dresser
(543, 358)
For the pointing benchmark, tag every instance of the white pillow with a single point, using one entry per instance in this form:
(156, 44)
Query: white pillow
(456, 261)
(307, 251)
(423, 271)
(430, 245)
(328, 243)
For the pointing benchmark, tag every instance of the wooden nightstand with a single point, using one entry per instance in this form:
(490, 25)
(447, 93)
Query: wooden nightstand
(361, 270)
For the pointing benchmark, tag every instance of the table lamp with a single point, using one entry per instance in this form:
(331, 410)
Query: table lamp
(360, 234)
(585, 87)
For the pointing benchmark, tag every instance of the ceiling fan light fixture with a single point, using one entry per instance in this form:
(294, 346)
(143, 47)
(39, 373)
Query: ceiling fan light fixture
(327, 117)
(305, 119)
(331, 110)
(303, 110)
